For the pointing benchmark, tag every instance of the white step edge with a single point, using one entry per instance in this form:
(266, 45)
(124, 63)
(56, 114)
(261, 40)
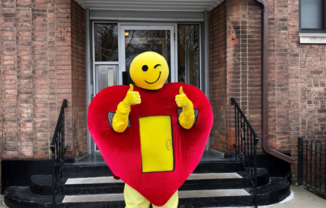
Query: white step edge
(92, 180)
(182, 195)
(205, 176)
(110, 179)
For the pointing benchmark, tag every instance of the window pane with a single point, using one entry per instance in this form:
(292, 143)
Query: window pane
(139, 41)
(188, 54)
(311, 14)
(106, 42)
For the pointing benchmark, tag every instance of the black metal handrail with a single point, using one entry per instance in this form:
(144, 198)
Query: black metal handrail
(245, 145)
(312, 165)
(58, 151)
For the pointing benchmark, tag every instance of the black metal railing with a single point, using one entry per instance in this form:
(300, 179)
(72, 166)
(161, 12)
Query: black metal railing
(58, 151)
(312, 165)
(245, 145)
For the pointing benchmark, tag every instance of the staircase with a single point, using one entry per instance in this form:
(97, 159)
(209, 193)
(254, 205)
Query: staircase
(218, 183)
(214, 183)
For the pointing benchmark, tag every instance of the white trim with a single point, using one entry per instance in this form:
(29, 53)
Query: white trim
(89, 88)
(147, 16)
(150, 5)
(204, 80)
(312, 38)
(107, 62)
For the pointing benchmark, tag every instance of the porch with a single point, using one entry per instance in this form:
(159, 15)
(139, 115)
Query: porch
(216, 181)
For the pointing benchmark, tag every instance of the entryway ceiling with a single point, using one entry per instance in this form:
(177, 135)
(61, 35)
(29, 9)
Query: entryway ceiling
(150, 5)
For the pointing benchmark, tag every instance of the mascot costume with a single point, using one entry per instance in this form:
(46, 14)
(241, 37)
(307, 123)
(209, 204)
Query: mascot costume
(153, 135)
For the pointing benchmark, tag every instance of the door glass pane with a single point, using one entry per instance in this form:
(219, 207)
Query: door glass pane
(311, 14)
(188, 54)
(106, 42)
(139, 41)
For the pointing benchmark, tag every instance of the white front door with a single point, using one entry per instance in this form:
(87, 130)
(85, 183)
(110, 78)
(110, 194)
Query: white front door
(116, 45)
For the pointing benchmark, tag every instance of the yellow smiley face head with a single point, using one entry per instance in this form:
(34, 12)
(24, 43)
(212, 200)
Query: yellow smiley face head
(149, 70)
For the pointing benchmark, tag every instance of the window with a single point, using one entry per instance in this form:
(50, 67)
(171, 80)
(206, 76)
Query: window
(106, 42)
(188, 54)
(313, 16)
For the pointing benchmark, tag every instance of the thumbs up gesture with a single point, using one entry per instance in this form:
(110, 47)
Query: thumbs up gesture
(132, 97)
(187, 116)
(120, 118)
(182, 100)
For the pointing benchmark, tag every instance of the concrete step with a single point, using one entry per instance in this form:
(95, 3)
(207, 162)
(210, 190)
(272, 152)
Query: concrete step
(182, 195)
(110, 179)
(42, 184)
(77, 170)
(208, 186)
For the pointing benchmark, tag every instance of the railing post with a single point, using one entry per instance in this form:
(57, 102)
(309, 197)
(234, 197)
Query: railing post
(316, 168)
(320, 166)
(325, 169)
(311, 162)
(300, 160)
(58, 152)
(246, 146)
(53, 173)
(312, 165)
(255, 171)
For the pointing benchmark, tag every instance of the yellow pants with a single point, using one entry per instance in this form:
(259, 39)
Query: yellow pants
(133, 199)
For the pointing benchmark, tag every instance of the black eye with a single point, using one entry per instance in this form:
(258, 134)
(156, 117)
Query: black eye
(144, 68)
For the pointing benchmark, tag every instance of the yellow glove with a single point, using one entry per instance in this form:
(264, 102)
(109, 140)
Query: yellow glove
(121, 116)
(187, 116)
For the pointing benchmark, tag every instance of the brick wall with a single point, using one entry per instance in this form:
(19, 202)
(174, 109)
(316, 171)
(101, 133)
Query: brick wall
(217, 78)
(298, 81)
(36, 75)
(297, 75)
(78, 78)
(235, 68)
(244, 63)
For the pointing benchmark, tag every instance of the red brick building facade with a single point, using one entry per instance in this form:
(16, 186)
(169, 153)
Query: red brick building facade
(43, 61)
(296, 74)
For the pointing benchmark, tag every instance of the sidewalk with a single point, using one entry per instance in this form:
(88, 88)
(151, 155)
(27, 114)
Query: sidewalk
(299, 198)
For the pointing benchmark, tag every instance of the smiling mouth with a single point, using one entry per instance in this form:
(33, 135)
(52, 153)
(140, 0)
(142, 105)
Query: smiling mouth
(159, 76)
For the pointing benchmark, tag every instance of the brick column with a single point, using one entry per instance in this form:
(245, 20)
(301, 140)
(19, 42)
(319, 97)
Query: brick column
(39, 70)
(235, 68)
(217, 76)
(78, 78)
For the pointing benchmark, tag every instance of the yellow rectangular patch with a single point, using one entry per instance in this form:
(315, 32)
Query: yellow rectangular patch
(156, 144)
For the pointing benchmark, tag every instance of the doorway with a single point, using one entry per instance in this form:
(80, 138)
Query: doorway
(115, 45)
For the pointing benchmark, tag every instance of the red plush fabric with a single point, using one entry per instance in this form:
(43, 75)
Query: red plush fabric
(122, 151)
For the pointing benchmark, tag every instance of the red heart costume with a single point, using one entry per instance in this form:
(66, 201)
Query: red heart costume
(122, 151)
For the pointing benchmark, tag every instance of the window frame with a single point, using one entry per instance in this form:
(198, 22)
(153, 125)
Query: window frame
(323, 29)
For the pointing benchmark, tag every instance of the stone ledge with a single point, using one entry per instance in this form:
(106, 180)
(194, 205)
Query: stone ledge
(312, 38)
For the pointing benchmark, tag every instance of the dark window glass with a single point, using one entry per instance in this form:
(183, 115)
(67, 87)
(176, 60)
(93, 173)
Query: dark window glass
(106, 42)
(312, 15)
(139, 41)
(188, 54)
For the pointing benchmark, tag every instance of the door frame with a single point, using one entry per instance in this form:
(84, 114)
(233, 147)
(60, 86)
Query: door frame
(122, 26)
